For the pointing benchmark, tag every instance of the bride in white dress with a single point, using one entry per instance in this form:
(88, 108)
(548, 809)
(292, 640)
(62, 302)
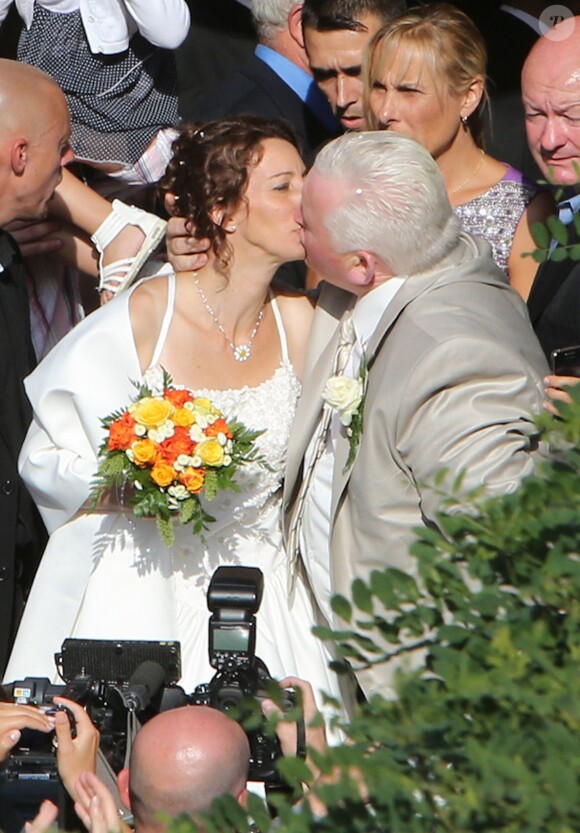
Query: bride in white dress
(106, 575)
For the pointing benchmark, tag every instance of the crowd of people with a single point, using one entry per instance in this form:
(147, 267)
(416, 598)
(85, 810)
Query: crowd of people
(348, 274)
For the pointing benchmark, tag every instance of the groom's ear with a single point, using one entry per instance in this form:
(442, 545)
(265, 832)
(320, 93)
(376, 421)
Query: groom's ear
(361, 268)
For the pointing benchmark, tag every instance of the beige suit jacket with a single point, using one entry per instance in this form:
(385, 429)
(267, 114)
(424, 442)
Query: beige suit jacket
(455, 375)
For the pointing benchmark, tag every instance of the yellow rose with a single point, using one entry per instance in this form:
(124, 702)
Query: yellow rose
(162, 474)
(152, 412)
(203, 404)
(183, 418)
(211, 453)
(204, 408)
(144, 452)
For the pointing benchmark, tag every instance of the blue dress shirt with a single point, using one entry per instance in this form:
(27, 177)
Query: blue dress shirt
(301, 83)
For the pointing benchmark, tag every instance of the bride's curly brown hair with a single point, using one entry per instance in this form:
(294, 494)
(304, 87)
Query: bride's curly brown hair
(210, 169)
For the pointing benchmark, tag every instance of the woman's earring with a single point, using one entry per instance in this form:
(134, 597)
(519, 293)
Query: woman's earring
(464, 121)
(231, 229)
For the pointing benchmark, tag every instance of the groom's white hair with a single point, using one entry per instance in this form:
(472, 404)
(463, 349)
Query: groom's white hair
(393, 204)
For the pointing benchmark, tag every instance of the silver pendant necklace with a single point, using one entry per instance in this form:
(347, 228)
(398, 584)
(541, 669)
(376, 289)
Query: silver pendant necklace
(242, 352)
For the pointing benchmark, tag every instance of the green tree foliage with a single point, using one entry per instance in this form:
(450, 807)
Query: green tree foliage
(554, 239)
(487, 739)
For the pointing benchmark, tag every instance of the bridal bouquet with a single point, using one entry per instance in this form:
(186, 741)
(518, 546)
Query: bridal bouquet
(166, 450)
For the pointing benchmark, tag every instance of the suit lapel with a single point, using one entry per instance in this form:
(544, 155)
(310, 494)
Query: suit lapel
(311, 131)
(546, 285)
(17, 353)
(402, 299)
(320, 357)
(417, 285)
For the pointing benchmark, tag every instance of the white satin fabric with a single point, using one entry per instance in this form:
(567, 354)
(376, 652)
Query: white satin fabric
(107, 575)
(110, 24)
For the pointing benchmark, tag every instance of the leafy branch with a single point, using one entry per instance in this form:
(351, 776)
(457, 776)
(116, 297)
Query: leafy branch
(555, 229)
(485, 737)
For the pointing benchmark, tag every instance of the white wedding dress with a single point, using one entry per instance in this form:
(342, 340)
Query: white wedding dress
(108, 576)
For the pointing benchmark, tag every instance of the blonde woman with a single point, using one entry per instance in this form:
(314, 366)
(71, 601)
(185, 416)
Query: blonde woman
(425, 78)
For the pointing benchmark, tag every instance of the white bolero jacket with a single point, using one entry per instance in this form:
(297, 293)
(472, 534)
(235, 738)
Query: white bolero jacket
(84, 378)
(110, 24)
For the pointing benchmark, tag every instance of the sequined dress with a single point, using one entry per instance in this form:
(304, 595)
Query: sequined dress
(136, 588)
(494, 216)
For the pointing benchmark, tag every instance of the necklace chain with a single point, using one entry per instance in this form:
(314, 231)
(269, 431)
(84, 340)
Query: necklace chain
(472, 174)
(242, 352)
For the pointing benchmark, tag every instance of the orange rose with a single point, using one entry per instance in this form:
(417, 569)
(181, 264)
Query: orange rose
(122, 433)
(144, 452)
(183, 417)
(192, 479)
(163, 474)
(179, 443)
(178, 397)
(220, 426)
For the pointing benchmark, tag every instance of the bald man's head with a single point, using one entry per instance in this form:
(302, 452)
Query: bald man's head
(551, 95)
(181, 760)
(26, 96)
(34, 140)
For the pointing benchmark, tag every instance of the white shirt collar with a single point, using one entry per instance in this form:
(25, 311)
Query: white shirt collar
(369, 308)
(531, 20)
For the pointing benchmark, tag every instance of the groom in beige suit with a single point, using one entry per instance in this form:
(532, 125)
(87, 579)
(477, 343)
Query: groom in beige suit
(454, 368)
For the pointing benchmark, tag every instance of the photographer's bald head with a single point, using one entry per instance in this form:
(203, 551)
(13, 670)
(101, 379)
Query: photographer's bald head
(181, 760)
(34, 140)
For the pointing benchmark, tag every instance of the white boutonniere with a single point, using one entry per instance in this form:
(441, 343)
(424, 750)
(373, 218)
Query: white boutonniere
(346, 395)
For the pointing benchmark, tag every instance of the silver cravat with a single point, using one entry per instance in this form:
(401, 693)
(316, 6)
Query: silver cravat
(346, 340)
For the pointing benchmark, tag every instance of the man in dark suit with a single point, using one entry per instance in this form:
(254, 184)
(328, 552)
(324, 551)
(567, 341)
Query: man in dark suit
(220, 39)
(551, 94)
(336, 35)
(276, 82)
(34, 144)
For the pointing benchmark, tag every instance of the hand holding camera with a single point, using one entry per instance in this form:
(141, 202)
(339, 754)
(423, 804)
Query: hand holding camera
(131, 682)
(14, 718)
(75, 754)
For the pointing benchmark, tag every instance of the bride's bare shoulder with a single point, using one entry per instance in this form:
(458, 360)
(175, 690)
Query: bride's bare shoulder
(296, 311)
(147, 306)
(149, 296)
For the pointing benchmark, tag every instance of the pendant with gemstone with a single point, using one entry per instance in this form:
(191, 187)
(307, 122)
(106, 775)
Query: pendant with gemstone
(242, 352)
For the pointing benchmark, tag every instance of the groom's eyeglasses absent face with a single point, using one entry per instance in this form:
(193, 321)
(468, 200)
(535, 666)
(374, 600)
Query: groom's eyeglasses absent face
(319, 197)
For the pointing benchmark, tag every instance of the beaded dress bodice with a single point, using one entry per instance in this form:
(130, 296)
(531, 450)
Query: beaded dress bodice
(268, 407)
(494, 216)
(250, 518)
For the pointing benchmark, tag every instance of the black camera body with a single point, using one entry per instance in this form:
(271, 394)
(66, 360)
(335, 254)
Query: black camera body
(124, 676)
(30, 774)
(112, 679)
(242, 679)
(34, 756)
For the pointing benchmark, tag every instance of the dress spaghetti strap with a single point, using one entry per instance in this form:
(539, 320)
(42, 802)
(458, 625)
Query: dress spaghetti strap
(171, 284)
(513, 175)
(281, 330)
